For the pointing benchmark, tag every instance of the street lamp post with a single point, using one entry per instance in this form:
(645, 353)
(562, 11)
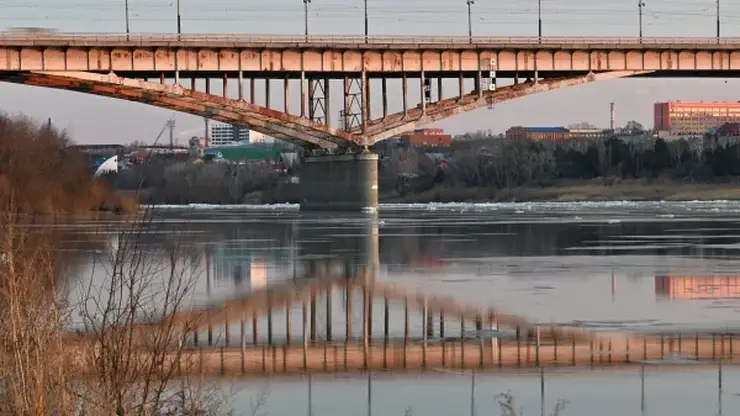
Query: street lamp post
(539, 20)
(305, 16)
(718, 25)
(179, 21)
(640, 6)
(125, 5)
(366, 22)
(470, 20)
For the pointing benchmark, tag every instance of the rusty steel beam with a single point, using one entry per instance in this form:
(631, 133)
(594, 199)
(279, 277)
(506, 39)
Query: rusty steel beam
(365, 107)
(303, 94)
(187, 105)
(422, 85)
(347, 103)
(272, 122)
(241, 86)
(252, 92)
(286, 95)
(225, 85)
(327, 102)
(381, 129)
(384, 93)
(461, 86)
(405, 94)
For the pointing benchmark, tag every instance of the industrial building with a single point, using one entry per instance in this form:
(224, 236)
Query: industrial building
(594, 133)
(691, 119)
(243, 153)
(538, 133)
(427, 138)
(224, 134)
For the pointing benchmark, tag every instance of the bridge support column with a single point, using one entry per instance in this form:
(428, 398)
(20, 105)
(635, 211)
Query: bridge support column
(340, 182)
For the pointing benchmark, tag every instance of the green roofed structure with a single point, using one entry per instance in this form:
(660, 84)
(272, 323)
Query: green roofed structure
(243, 153)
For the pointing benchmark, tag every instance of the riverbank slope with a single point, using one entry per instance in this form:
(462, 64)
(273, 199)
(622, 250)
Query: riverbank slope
(587, 190)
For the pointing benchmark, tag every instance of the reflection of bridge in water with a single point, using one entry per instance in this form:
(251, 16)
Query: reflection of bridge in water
(336, 315)
(697, 287)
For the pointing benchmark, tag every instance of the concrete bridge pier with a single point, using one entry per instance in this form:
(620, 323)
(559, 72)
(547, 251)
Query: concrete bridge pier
(346, 182)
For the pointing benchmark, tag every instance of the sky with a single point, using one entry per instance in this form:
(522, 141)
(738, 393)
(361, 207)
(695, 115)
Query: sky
(91, 119)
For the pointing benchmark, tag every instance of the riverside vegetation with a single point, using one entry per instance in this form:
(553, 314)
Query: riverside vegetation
(69, 343)
(636, 167)
(37, 172)
(482, 167)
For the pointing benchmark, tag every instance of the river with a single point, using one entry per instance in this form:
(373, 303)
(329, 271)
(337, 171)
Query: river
(641, 266)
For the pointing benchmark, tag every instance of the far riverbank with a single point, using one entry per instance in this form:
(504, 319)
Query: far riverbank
(591, 190)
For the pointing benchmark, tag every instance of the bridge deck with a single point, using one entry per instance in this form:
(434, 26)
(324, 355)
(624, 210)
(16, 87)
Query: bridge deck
(354, 41)
(211, 55)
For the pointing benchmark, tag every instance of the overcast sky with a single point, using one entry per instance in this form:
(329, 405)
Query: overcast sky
(93, 119)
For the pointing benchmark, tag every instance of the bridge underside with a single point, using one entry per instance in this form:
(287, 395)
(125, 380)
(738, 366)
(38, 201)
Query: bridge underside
(277, 124)
(395, 124)
(313, 127)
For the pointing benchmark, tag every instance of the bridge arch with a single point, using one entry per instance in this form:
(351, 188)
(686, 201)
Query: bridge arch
(287, 127)
(293, 129)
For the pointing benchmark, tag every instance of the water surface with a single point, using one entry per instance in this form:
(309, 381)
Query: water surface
(619, 265)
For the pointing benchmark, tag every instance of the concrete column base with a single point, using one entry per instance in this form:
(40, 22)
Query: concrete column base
(340, 183)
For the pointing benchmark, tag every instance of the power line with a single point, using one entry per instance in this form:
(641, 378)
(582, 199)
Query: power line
(504, 12)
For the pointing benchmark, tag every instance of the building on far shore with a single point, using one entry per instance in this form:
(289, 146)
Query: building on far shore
(697, 287)
(427, 138)
(693, 119)
(257, 137)
(223, 134)
(594, 133)
(554, 133)
(538, 133)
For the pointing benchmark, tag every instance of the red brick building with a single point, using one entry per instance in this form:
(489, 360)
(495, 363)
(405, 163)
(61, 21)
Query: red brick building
(427, 138)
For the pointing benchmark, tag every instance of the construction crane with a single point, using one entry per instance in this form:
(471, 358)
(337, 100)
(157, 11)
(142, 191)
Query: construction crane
(169, 124)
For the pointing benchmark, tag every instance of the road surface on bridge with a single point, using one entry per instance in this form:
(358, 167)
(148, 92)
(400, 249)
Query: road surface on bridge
(245, 39)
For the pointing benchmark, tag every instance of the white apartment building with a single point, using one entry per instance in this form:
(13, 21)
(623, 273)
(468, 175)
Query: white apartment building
(224, 134)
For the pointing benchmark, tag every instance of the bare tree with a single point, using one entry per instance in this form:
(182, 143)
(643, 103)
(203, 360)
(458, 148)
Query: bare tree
(135, 348)
(129, 352)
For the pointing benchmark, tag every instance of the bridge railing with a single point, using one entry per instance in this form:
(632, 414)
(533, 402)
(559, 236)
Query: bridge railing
(110, 38)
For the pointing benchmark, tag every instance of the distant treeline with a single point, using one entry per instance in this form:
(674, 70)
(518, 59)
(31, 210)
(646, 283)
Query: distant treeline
(505, 163)
(500, 163)
(168, 182)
